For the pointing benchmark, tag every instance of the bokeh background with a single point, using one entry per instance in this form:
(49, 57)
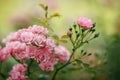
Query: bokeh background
(16, 14)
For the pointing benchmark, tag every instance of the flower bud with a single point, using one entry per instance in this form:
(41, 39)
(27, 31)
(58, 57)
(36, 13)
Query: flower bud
(96, 35)
(94, 25)
(69, 33)
(74, 26)
(92, 30)
(70, 29)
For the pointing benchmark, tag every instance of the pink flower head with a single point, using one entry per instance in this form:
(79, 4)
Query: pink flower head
(85, 22)
(50, 42)
(62, 53)
(17, 49)
(48, 62)
(18, 72)
(11, 37)
(26, 37)
(38, 30)
(39, 40)
(4, 54)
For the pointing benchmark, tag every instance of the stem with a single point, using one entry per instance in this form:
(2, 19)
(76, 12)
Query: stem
(17, 60)
(29, 65)
(1, 74)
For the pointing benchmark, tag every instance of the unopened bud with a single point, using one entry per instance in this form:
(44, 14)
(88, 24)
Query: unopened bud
(74, 26)
(69, 33)
(89, 54)
(93, 30)
(46, 7)
(94, 25)
(96, 35)
(70, 29)
(78, 35)
(76, 31)
(83, 30)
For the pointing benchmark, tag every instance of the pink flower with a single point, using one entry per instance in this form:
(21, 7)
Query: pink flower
(48, 62)
(9, 38)
(46, 59)
(18, 72)
(50, 42)
(3, 54)
(85, 22)
(17, 49)
(26, 37)
(32, 51)
(62, 53)
(38, 30)
(39, 40)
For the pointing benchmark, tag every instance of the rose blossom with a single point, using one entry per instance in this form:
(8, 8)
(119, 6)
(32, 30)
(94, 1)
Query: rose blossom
(3, 54)
(11, 37)
(18, 72)
(85, 22)
(62, 53)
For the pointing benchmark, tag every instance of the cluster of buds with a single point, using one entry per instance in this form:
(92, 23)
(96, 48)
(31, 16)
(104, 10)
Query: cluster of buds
(82, 32)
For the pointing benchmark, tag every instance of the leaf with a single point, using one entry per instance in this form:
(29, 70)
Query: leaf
(50, 28)
(64, 41)
(65, 36)
(78, 61)
(86, 65)
(42, 6)
(55, 15)
(55, 37)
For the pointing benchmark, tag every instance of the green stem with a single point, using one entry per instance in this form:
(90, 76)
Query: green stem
(17, 60)
(1, 74)
(29, 65)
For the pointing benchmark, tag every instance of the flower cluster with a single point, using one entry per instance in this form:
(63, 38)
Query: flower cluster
(18, 72)
(34, 43)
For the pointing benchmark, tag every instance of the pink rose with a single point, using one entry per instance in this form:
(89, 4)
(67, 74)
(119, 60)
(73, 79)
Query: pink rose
(85, 22)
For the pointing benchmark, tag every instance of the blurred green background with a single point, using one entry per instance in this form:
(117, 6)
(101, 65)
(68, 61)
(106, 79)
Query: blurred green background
(16, 14)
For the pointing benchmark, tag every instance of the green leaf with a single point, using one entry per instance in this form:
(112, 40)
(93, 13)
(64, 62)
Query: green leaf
(55, 37)
(78, 61)
(55, 15)
(50, 28)
(86, 65)
(65, 36)
(64, 41)
(42, 6)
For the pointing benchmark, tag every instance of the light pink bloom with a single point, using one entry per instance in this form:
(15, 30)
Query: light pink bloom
(43, 54)
(38, 30)
(50, 42)
(39, 40)
(48, 62)
(26, 37)
(18, 72)
(85, 22)
(46, 59)
(17, 49)
(32, 51)
(3, 54)
(11, 37)
(62, 53)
